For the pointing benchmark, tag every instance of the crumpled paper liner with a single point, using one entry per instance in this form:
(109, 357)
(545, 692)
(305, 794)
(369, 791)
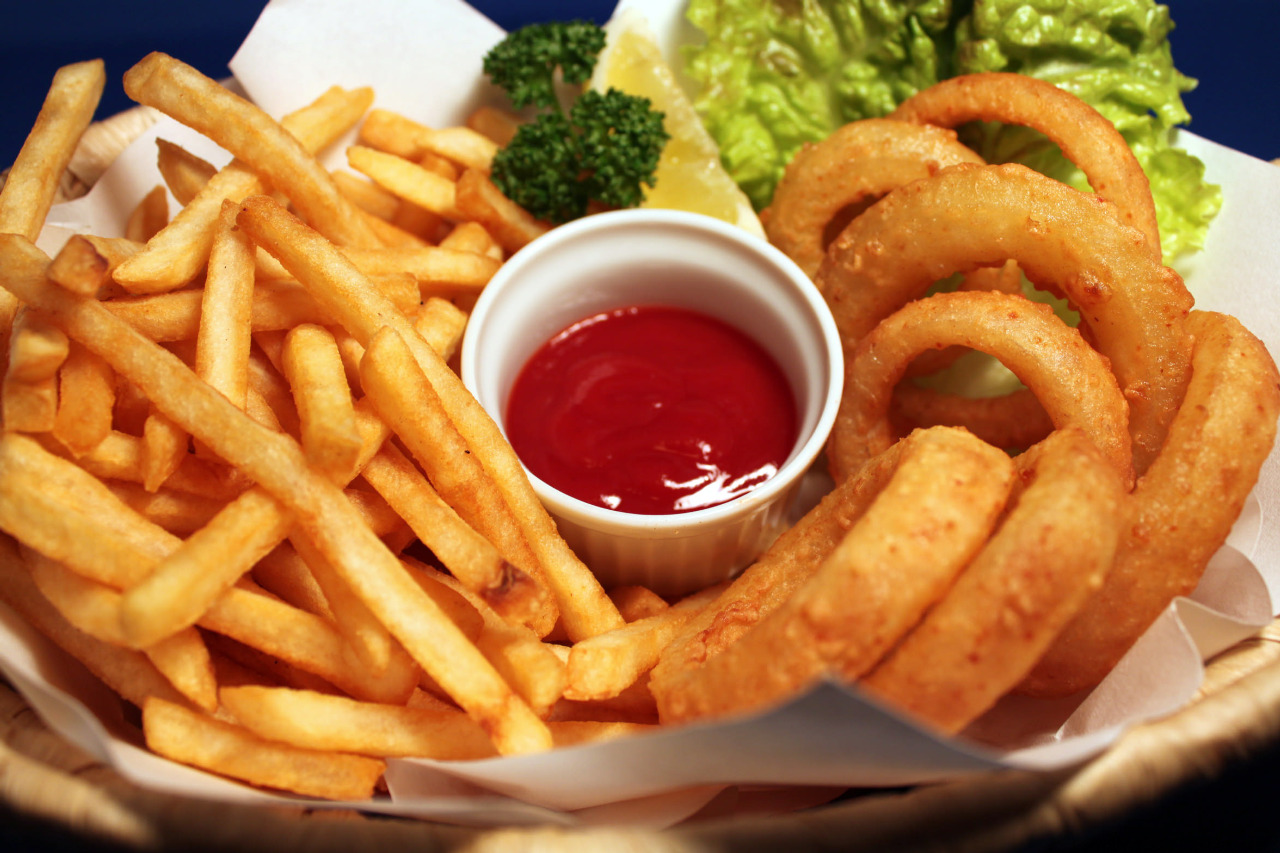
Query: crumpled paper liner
(423, 60)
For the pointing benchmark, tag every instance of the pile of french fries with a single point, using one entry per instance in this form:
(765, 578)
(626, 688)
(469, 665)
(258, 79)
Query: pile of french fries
(240, 479)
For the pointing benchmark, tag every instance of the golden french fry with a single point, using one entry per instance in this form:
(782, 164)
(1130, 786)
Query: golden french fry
(407, 180)
(180, 589)
(437, 270)
(472, 237)
(85, 262)
(86, 400)
(277, 464)
(350, 298)
(228, 750)
(478, 198)
(392, 133)
(468, 555)
(119, 456)
(226, 310)
(284, 574)
(307, 642)
(94, 608)
(531, 666)
(164, 445)
(37, 349)
(441, 324)
(36, 174)
(313, 367)
(605, 665)
(129, 673)
(180, 513)
(367, 195)
(180, 251)
(184, 173)
(148, 216)
(637, 602)
(496, 124)
(312, 720)
(262, 143)
(29, 394)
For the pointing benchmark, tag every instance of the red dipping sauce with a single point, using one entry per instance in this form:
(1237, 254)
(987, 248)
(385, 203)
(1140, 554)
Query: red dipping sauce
(652, 410)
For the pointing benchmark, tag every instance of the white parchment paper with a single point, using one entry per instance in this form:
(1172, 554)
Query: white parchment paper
(423, 59)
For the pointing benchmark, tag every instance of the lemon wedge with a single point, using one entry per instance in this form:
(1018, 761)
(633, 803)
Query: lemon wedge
(689, 174)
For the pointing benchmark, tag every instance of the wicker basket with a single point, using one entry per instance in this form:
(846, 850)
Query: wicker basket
(1236, 715)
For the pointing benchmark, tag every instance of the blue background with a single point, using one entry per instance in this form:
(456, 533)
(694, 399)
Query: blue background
(1227, 44)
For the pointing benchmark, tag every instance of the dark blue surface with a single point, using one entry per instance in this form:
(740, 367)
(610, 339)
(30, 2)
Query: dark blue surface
(1227, 44)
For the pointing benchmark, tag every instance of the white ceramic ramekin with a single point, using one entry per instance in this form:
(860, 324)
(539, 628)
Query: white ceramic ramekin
(630, 257)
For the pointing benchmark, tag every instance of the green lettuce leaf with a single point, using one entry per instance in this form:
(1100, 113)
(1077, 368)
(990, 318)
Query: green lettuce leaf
(775, 74)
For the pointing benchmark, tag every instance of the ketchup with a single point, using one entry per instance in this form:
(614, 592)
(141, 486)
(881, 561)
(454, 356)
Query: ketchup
(653, 410)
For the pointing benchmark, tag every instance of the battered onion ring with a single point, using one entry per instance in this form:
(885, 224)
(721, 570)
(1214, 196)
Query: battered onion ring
(969, 216)
(855, 166)
(1087, 138)
(938, 494)
(1182, 509)
(859, 162)
(1015, 421)
(1051, 553)
(1072, 380)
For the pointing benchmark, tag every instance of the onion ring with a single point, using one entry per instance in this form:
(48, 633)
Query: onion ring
(937, 496)
(1135, 307)
(858, 162)
(853, 167)
(1071, 379)
(1181, 509)
(1087, 138)
(1014, 421)
(1007, 607)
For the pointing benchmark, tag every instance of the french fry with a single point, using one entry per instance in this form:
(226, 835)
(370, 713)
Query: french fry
(531, 666)
(226, 310)
(605, 665)
(472, 237)
(478, 198)
(437, 270)
(180, 513)
(179, 590)
(94, 608)
(278, 465)
(184, 173)
(164, 445)
(148, 216)
(407, 180)
(181, 250)
(33, 180)
(307, 642)
(86, 400)
(637, 602)
(494, 123)
(312, 720)
(129, 673)
(85, 262)
(266, 146)
(228, 750)
(367, 195)
(405, 400)
(350, 298)
(469, 556)
(313, 367)
(284, 574)
(119, 457)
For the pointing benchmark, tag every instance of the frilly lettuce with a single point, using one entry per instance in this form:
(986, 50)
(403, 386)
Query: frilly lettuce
(775, 74)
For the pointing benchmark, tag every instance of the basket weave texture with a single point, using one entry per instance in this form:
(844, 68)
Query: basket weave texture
(1236, 714)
